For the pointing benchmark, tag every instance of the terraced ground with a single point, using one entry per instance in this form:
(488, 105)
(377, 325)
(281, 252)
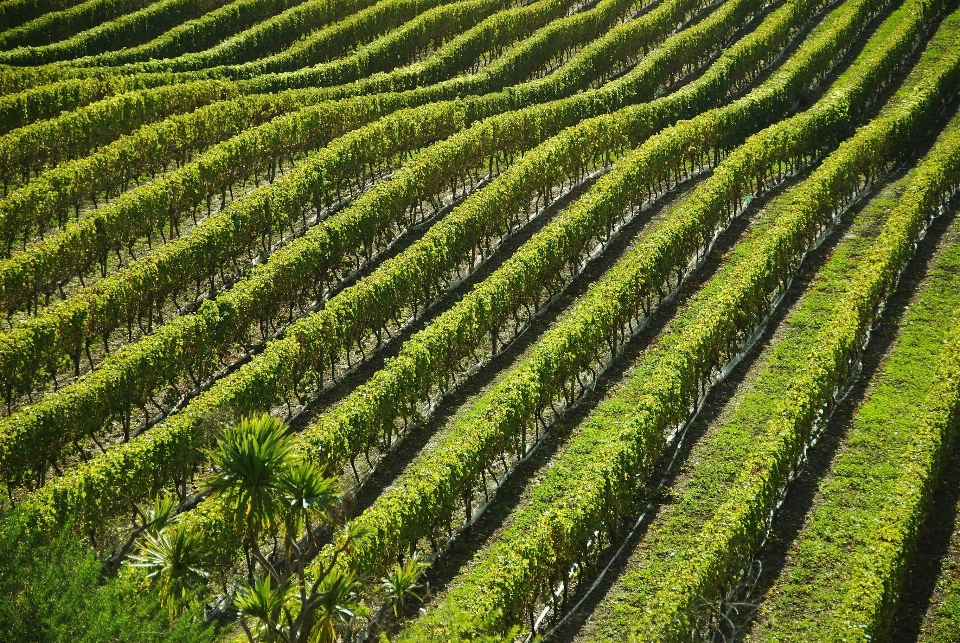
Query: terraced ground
(635, 319)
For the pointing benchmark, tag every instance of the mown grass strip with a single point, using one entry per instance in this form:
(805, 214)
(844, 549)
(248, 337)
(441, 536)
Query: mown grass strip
(598, 477)
(878, 496)
(665, 596)
(941, 623)
(849, 561)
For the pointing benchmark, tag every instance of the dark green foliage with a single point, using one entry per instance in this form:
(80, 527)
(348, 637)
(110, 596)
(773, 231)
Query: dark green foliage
(53, 592)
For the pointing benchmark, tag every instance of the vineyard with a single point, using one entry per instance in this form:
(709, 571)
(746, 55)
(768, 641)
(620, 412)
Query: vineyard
(480, 320)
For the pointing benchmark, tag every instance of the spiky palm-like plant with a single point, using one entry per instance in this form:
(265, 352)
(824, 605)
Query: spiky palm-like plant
(402, 581)
(260, 479)
(251, 461)
(264, 605)
(270, 491)
(173, 558)
(309, 496)
(335, 604)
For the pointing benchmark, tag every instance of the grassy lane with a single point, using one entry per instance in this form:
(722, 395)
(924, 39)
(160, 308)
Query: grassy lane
(576, 501)
(847, 565)
(716, 462)
(941, 623)
(786, 412)
(843, 577)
